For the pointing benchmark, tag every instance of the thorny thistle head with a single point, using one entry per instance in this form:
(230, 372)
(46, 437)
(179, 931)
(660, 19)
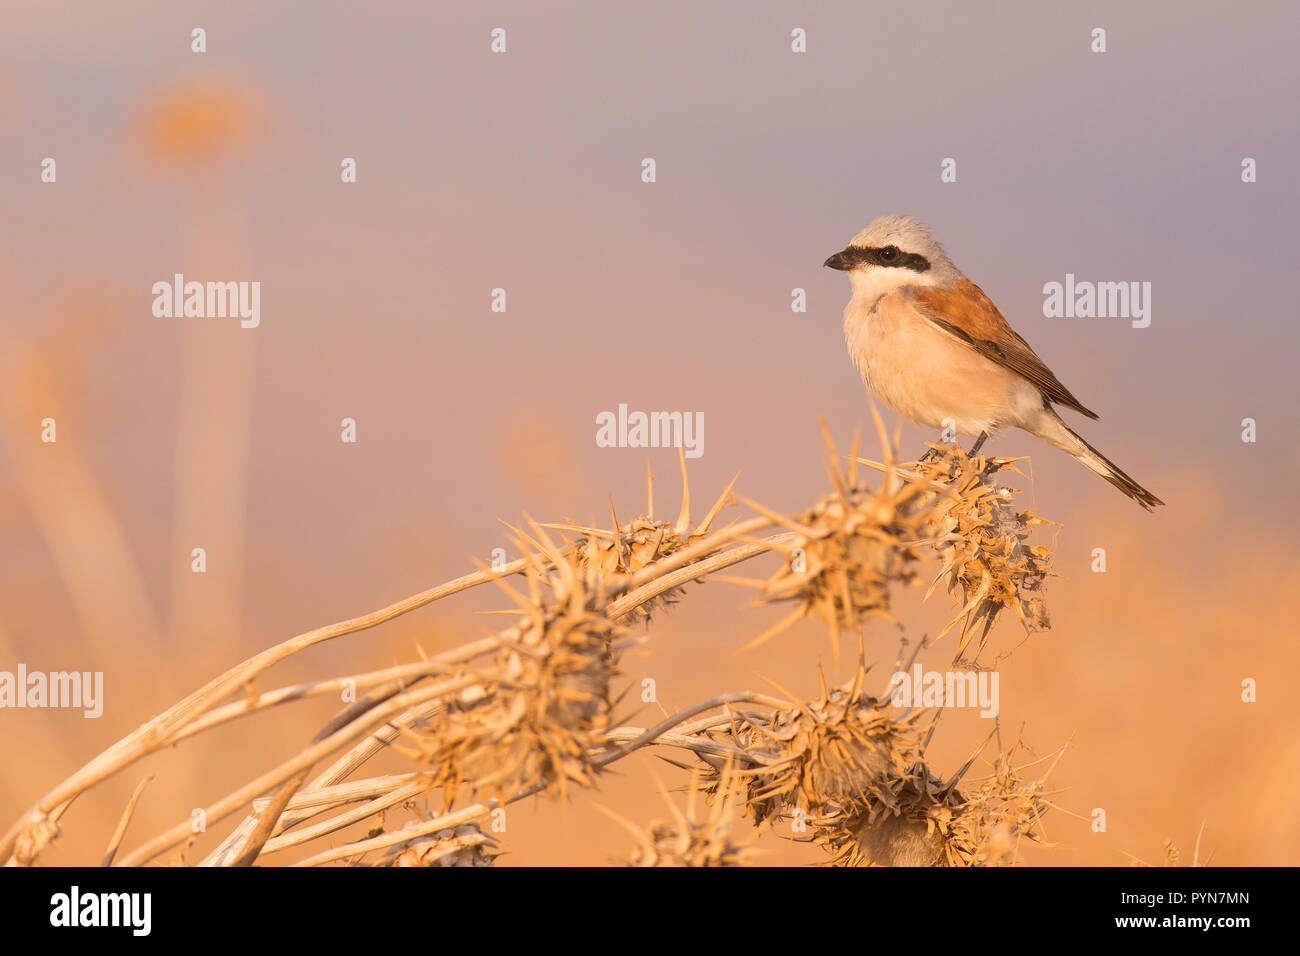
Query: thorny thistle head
(981, 539)
(849, 549)
(858, 778)
(838, 756)
(625, 548)
(538, 712)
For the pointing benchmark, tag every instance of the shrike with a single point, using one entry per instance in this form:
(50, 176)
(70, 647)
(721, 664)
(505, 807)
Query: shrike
(936, 348)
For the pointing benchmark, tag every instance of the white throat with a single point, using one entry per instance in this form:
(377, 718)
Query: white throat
(870, 284)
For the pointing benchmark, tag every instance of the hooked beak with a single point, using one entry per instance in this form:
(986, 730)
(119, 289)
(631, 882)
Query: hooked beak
(842, 261)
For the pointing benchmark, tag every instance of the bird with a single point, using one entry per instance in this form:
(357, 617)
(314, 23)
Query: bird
(935, 348)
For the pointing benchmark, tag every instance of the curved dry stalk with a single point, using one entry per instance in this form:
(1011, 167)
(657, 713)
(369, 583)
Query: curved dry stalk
(360, 847)
(158, 732)
(170, 725)
(301, 761)
(116, 840)
(339, 770)
(347, 818)
(398, 676)
(326, 798)
(705, 565)
(668, 723)
(693, 742)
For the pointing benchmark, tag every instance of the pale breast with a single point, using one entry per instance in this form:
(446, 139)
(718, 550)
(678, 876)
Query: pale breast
(927, 375)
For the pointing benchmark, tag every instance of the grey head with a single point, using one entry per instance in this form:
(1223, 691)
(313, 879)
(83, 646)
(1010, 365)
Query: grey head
(896, 242)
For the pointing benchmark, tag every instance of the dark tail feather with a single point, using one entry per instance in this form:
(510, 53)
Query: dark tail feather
(1066, 439)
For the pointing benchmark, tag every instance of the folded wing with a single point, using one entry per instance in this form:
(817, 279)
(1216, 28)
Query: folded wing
(965, 312)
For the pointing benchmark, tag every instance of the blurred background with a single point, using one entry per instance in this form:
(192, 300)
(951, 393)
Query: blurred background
(522, 171)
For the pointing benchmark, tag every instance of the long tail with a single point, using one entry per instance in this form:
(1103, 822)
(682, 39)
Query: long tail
(1051, 429)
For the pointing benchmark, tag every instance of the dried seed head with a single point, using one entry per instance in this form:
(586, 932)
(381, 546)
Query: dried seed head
(543, 702)
(858, 778)
(981, 539)
(835, 758)
(847, 563)
(991, 821)
(638, 544)
(852, 546)
(890, 840)
(931, 824)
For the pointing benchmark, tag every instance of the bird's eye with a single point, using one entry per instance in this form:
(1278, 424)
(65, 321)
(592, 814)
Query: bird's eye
(889, 253)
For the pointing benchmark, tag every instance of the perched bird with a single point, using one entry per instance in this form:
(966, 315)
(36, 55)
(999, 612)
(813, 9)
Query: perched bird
(934, 347)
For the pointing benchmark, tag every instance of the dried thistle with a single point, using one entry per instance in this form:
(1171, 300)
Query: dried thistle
(981, 538)
(639, 543)
(839, 759)
(535, 718)
(858, 777)
(852, 545)
(990, 822)
(932, 823)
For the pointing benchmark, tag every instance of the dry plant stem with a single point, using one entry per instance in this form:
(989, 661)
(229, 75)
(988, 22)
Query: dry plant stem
(120, 832)
(248, 848)
(668, 723)
(158, 732)
(272, 778)
(400, 787)
(246, 843)
(700, 745)
(224, 853)
(346, 819)
(401, 836)
(112, 760)
(323, 798)
(337, 771)
(252, 845)
(707, 565)
(397, 677)
(364, 750)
